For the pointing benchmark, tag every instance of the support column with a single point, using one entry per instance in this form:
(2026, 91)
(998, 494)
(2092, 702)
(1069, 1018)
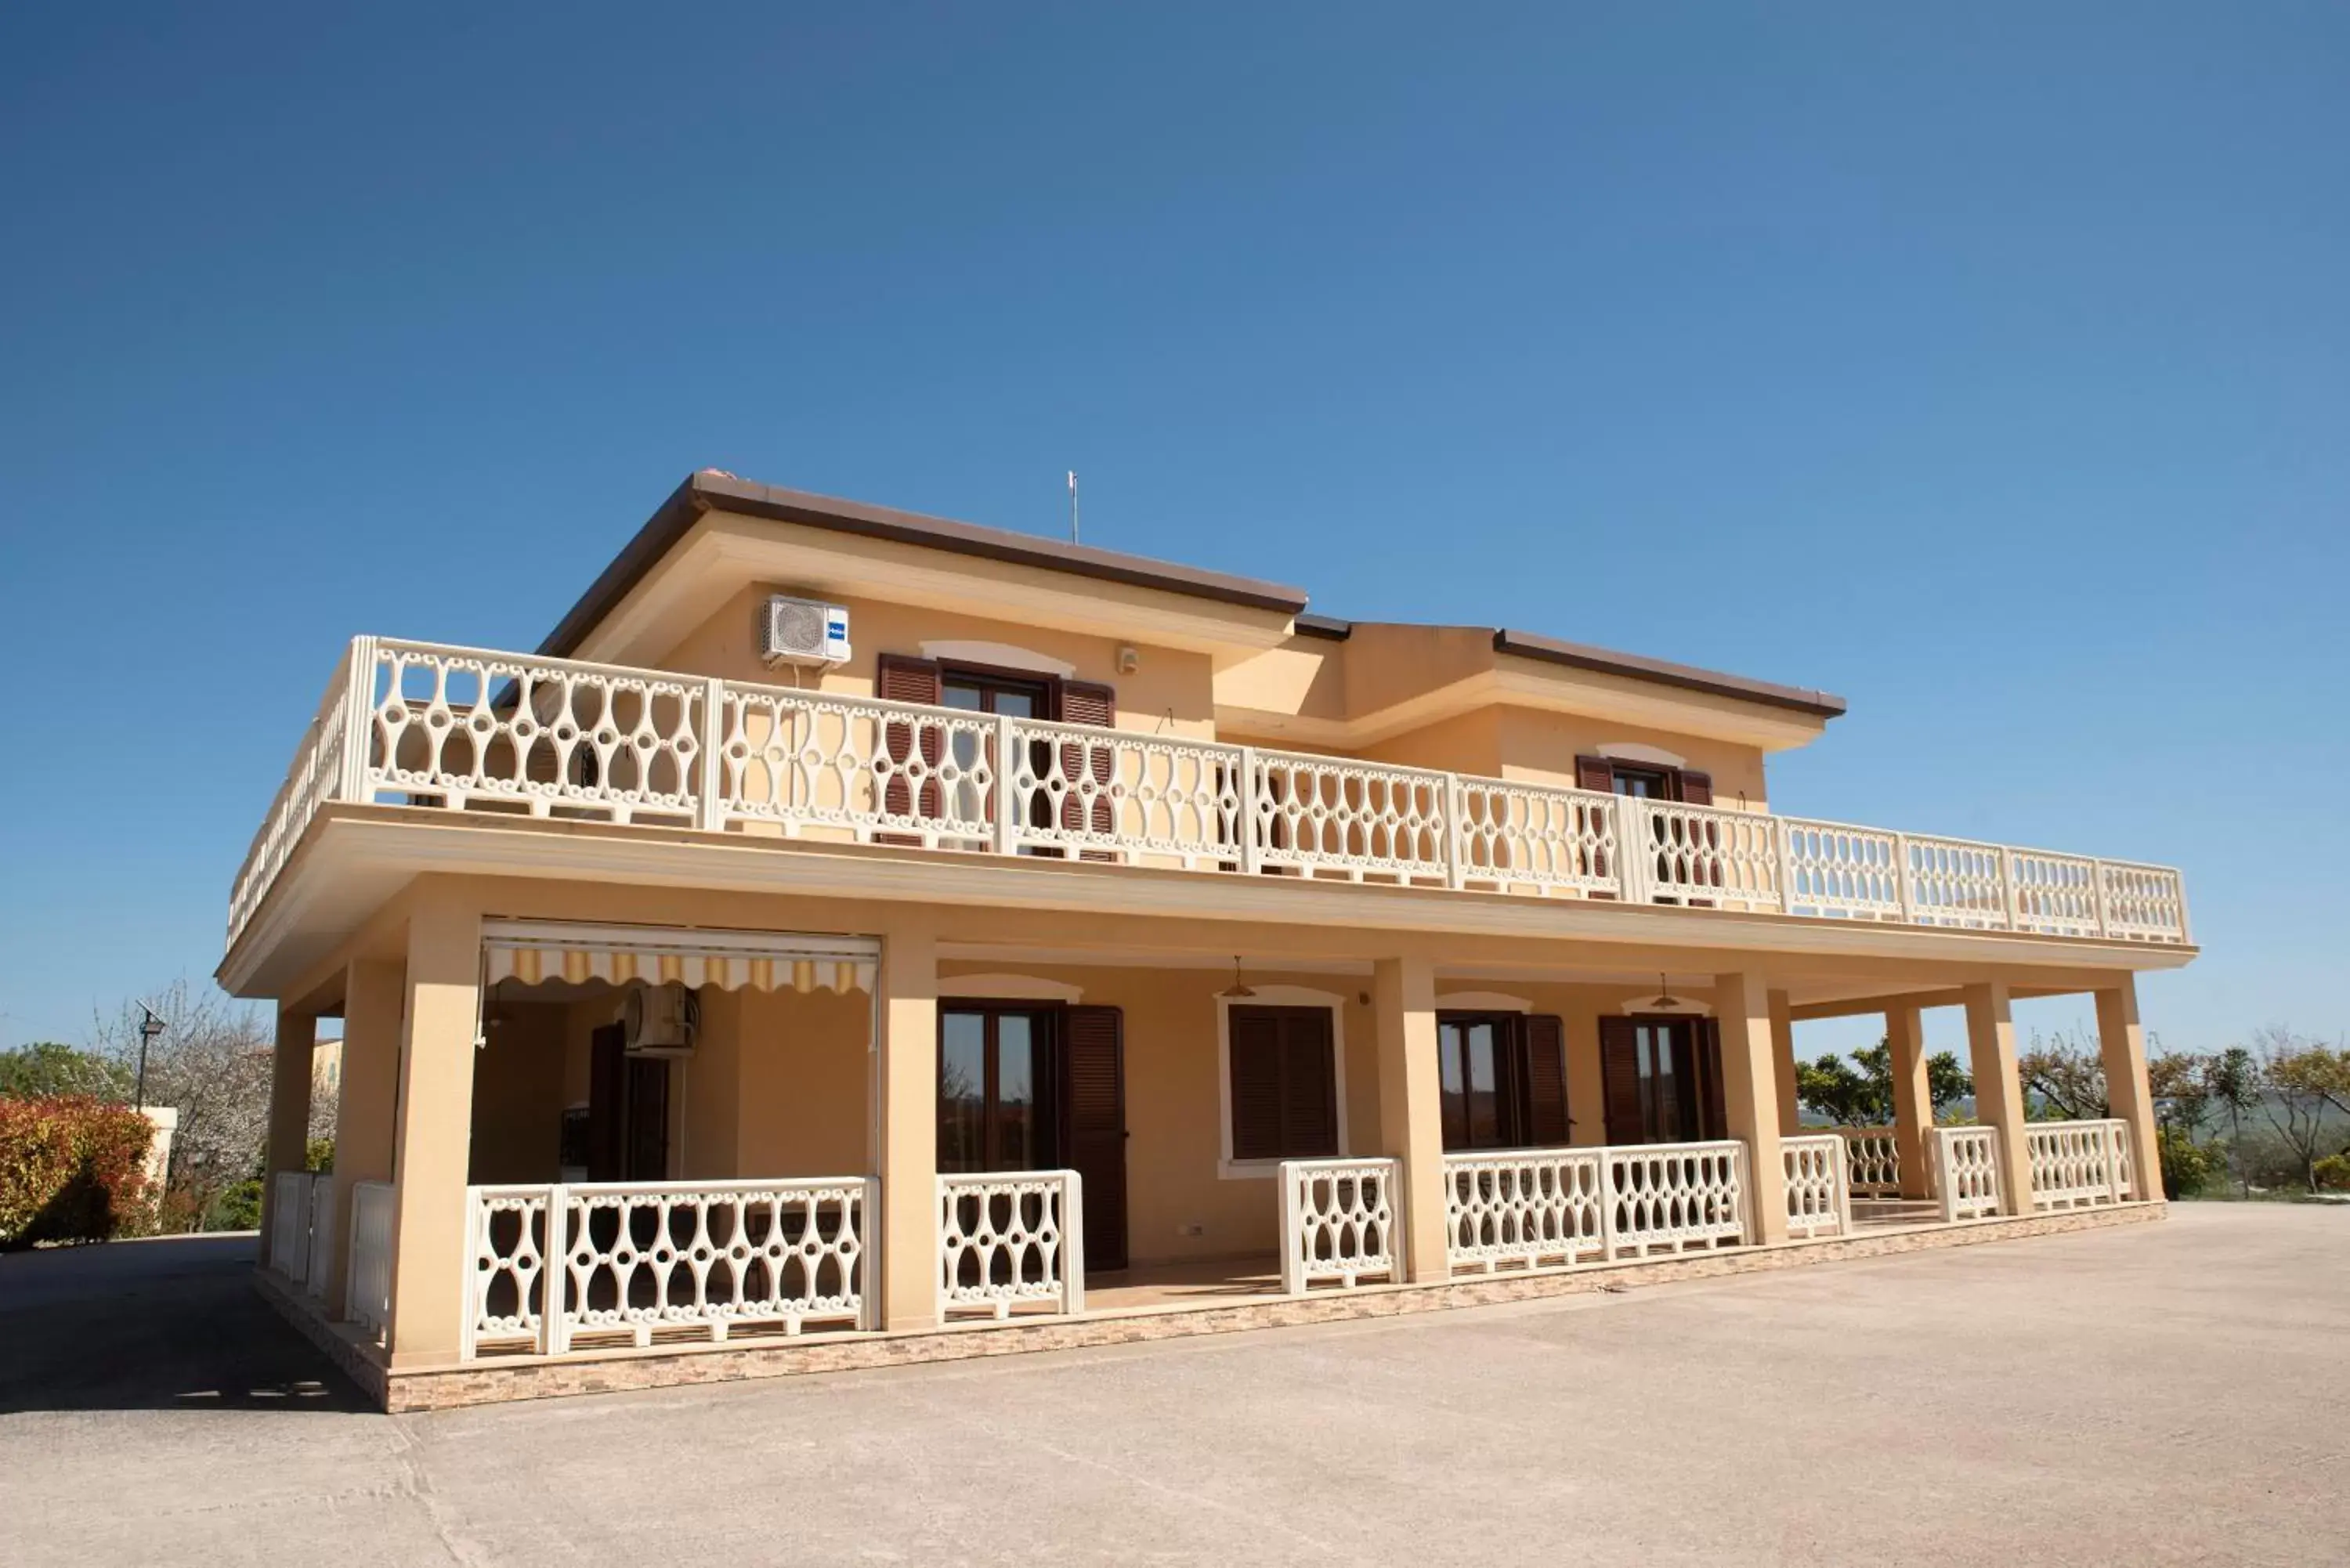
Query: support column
(1913, 1103)
(1587, 1086)
(1999, 1089)
(1749, 1096)
(906, 1100)
(1411, 1106)
(289, 1110)
(1783, 1062)
(373, 997)
(432, 1143)
(2121, 1041)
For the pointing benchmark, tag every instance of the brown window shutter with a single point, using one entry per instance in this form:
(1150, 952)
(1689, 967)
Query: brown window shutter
(1716, 1111)
(1594, 772)
(1089, 702)
(1620, 1071)
(899, 678)
(1546, 1118)
(1094, 1097)
(1309, 1121)
(1696, 789)
(1256, 1084)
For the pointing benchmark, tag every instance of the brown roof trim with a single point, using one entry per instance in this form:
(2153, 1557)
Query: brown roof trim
(1581, 656)
(1325, 626)
(710, 490)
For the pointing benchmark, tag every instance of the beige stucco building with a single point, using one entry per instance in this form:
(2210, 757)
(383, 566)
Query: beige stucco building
(1093, 947)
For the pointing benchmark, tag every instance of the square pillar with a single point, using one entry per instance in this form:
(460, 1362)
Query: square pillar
(1783, 1062)
(289, 1110)
(1411, 1107)
(2121, 1041)
(433, 1135)
(906, 1103)
(1913, 1101)
(1999, 1089)
(1750, 1096)
(374, 994)
(1587, 1085)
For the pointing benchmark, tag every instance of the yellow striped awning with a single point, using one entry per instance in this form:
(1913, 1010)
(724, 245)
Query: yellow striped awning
(530, 951)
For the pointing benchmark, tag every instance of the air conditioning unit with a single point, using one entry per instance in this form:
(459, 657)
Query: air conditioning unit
(660, 1020)
(802, 631)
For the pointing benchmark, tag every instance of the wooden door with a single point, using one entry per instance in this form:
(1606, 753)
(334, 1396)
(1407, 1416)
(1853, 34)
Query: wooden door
(1093, 1097)
(608, 1098)
(648, 1119)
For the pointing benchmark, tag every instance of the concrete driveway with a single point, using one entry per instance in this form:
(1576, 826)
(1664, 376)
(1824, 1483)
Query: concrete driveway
(2172, 1393)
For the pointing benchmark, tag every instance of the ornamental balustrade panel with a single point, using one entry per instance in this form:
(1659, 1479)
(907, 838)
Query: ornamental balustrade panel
(289, 1224)
(1703, 855)
(463, 729)
(367, 1296)
(424, 725)
(1536, 836)
(2076, 1165)
(2055, 894)
(2143, 903)
(508, 1247)
(320, 1250)
(1537, 1208)
(1966, 1171)
(712, 1256)
(313, 777)
(1008, 1238)
(1675, 1197)
(856, 768)
(1873, 1156)
(1953, 882)
(1079, 788)
(1328, 815)
(1818, 1203)
(1340, 1223)
(1833, 870)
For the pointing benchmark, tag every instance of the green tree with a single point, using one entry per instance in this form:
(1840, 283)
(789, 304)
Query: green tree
(2302, 1080)
(2232, 1081)
(1858, 1092)
(2064, 1078)
(46, 1070)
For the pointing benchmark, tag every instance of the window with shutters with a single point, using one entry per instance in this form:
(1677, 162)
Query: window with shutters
(1282, 1066)
(1503, 1080)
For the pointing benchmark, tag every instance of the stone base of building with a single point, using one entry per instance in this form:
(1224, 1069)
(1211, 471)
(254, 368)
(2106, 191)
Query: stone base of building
(609, 1371)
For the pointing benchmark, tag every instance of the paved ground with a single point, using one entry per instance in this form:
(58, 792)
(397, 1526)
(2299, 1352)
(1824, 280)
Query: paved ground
(2176, 1393)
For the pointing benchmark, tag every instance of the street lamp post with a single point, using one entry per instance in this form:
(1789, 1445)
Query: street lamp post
(151, 1026)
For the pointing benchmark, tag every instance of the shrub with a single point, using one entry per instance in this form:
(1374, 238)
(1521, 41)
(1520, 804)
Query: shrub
(72, 1168)
(2187, 1166)
(2332, 1172)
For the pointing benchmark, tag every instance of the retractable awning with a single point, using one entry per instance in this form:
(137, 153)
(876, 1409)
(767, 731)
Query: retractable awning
(530, 951)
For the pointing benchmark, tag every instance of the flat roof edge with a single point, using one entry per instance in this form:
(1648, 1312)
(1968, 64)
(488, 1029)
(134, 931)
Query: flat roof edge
(709, 490)
(1582, 656)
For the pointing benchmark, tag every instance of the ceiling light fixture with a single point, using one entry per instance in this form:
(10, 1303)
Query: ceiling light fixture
(1238, 990)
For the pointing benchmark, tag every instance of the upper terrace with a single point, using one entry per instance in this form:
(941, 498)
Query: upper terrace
(1252, 739)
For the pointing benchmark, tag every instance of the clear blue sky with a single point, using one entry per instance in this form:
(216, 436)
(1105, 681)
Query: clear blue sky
(1990, 365)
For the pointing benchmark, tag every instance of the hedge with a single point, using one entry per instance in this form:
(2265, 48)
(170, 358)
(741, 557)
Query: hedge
(72, 1168)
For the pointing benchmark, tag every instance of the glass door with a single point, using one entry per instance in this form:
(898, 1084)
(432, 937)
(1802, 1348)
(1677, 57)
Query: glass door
(996, 1078)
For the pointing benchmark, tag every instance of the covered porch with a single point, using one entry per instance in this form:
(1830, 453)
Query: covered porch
(967, 1122)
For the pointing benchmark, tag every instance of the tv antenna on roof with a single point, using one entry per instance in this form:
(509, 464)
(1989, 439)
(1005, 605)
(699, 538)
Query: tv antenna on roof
(1073, 506)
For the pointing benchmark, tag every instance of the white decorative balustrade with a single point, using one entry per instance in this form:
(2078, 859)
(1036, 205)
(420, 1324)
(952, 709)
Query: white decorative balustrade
(1340, 1223)
(1541, 1208)
(2078, 1165)
(1819, 1203)
(289, 1225)
(1966, 1171)
(1675, 1197)
(367, 1294)
(551, 1265)
(454, 728)
(1008, 1238)
(1873, 1156)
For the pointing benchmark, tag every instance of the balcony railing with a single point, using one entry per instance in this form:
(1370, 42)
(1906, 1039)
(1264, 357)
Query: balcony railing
(456, 729)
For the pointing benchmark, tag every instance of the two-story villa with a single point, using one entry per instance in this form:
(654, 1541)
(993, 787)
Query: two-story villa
(855, 936)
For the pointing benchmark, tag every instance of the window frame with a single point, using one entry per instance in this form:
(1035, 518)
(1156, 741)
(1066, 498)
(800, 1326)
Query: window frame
(1512, 1088)
(1049, 1023)
(1229, 1169)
